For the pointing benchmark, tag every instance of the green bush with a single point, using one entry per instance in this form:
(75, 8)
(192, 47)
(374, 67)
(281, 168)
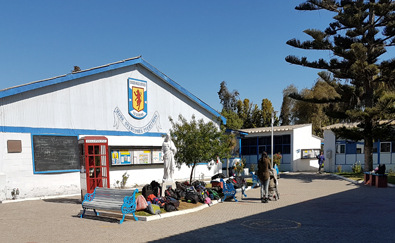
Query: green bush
(357, 167)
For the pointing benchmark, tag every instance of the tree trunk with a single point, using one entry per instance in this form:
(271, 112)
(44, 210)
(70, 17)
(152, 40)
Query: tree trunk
(193, 168)
(368, 146)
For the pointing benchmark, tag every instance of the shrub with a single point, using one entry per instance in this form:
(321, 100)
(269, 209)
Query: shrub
(356, 167)
(339, 168)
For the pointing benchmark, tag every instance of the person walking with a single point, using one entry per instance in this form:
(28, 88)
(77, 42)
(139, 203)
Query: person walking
(321, 160)
(263, 173)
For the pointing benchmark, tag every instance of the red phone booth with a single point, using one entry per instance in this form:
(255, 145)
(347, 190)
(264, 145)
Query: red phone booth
(94, 167)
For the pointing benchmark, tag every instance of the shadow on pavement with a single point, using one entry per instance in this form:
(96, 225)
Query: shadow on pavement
(362, 214)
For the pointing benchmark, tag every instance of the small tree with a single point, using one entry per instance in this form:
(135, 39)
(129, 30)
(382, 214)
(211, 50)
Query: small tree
(198, 142)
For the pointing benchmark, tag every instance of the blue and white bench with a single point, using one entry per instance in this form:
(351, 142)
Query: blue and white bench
(109, 199)
(229, 190)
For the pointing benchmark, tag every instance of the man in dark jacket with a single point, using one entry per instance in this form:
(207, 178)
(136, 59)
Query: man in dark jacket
(321, 160)
(263, 173)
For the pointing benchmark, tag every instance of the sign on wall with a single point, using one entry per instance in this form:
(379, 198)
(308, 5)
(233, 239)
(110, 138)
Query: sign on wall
(137, 98)
(310, 153)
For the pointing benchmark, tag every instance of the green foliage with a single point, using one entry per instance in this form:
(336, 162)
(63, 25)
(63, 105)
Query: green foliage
(233, 121)
(125, 178)
(356, 167)
(277, 159)
(252, 167)
(240, 166)
(199, 142)
(363, 81)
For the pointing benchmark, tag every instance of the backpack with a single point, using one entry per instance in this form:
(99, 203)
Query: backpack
(214, 194)
(141, 203)
(192, 197)
(381, 169)
(207, 200)
(157, 189)
(171, 193)
(181, 186)
(147, 190)
(171, 204)
(219, 175)
(180, 193)
(153, 209)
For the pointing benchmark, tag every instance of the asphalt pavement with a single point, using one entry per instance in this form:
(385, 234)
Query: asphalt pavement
(312, 208)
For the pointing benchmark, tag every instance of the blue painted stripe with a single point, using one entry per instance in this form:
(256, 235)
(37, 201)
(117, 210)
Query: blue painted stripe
(75, 132)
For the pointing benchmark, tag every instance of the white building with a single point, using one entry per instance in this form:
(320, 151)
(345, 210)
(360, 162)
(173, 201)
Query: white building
(129, 102)
(346, 153)
(295, 143)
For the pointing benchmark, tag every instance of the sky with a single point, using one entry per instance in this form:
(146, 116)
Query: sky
(198, 44)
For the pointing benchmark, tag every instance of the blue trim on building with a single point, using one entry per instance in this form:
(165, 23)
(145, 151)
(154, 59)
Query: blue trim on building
(75, 132)
(105, 68)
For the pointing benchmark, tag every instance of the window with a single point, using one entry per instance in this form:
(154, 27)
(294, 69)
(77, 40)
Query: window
(375, 147)
(286, 139)
(286, 149)
(340, 148)
(360, 149)
(278, 139)
(264, 140)
(385, 147)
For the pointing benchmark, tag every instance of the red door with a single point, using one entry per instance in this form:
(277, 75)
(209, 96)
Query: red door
(96, 163)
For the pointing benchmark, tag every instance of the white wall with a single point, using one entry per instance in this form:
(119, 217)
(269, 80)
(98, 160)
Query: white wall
(87, 104)
(303, 139)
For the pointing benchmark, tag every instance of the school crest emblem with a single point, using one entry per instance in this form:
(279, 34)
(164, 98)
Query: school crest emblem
(137, 90)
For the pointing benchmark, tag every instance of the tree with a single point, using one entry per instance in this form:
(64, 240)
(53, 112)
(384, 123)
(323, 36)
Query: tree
(229, 107)
(365, 86)
(199, 142)
(286, 117)
(228, 99)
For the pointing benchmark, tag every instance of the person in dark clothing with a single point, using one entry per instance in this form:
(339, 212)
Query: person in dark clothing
(263, 173)
(321, 160)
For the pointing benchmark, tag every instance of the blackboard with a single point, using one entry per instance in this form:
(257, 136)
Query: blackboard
(55, 153)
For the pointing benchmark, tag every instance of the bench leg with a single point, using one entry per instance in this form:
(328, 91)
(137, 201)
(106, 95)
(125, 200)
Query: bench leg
(123, 218)
(82, 215)
(243, 192)
(135, 218)
(235, 197)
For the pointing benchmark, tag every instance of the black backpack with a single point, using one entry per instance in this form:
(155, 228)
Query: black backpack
(180, 193)
(171, 204)
(192, 197)
(169, 192)
(219, 175)
(147, 190)
(381, 169)
(156, 188)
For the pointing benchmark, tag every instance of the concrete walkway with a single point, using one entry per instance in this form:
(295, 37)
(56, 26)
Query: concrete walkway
(312, 208)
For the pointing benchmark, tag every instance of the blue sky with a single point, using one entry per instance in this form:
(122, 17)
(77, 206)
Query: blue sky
(198, 44)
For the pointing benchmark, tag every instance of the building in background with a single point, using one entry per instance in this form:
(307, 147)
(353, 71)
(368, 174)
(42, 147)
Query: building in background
(296, 143)
(122, 107)
(345, 153)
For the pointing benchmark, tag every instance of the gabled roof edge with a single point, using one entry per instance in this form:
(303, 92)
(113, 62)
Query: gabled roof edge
(107, 67)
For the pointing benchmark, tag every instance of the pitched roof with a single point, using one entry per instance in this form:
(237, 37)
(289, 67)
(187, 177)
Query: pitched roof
(111, 66)
(275, 129)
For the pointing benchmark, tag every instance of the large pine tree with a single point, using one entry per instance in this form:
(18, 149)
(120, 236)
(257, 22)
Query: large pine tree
(360, 34)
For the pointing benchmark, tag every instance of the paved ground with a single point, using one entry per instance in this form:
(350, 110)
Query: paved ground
(312, 208)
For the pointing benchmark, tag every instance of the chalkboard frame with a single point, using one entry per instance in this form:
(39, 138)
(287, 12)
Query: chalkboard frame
(35, 162)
